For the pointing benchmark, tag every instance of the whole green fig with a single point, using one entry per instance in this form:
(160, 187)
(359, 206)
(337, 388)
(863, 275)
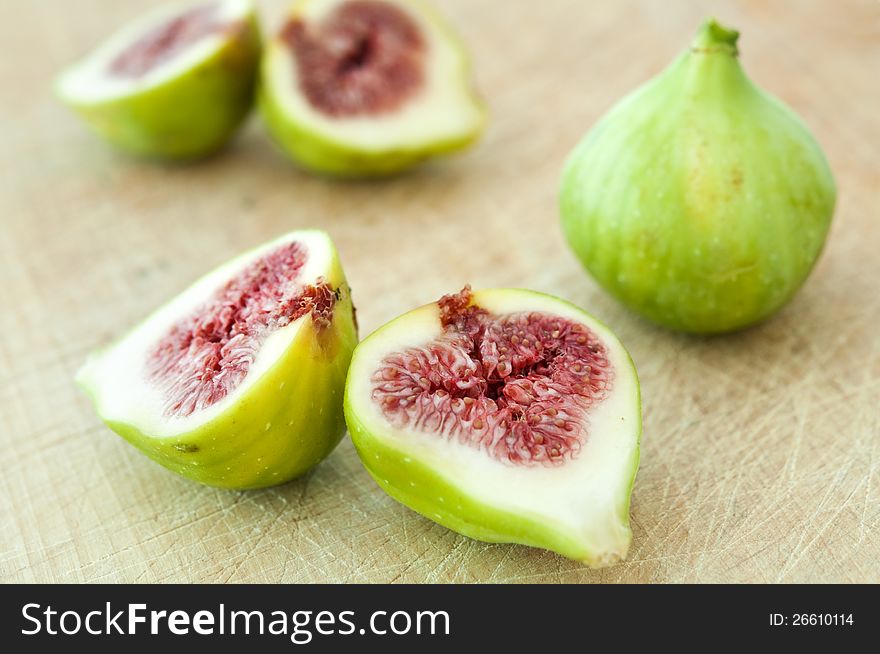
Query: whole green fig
(699, 201)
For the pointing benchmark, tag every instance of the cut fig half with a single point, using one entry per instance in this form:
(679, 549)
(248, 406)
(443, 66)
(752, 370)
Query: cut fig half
(238, 381)
(176, 83)
(367, 87)
(505, 415)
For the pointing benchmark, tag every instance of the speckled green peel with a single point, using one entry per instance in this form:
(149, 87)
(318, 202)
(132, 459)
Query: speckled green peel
(419, 487)
(425, 480)
(191, 115)
(285, 423)
(699, 201)
(327, 147)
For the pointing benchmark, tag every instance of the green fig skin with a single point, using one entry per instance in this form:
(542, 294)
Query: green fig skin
(190, 116)
(282, 426)
(423, 490)
(322, 154)
(426, 492)
(699, 201)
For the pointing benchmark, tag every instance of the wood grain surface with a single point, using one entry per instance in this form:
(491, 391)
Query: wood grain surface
(760, 451)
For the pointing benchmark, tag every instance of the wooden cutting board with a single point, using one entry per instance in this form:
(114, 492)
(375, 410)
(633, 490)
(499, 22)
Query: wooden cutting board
(760, 452)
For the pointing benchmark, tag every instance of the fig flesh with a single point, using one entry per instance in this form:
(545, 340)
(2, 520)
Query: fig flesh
(505, 415)
(238, 381)
(175, 84)
(361, 88)
(699, 201)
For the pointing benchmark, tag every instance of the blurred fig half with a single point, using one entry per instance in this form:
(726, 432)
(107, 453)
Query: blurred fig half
(361, 88)
(174, 84)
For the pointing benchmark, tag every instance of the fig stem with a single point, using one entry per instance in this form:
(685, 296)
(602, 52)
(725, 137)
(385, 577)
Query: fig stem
(714, 37)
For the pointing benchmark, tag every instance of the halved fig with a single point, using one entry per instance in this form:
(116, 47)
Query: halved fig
(505, 415)
(367, 87)
(238, 381)
(174, 84)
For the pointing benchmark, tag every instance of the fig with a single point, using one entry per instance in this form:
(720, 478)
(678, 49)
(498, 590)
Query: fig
(699, 201)
(175, 84)
(363, 88)
(238, 381)
(505, 415)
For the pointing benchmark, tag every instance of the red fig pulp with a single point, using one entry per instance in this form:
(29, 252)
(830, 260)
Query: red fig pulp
(207, 354)
(518, 386)
(364, 58)
(166, 41)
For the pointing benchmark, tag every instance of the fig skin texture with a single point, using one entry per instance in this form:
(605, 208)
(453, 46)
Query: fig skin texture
(579, 509)
(699, 201)
(188, 116)
(277, 429)
(326, 150)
